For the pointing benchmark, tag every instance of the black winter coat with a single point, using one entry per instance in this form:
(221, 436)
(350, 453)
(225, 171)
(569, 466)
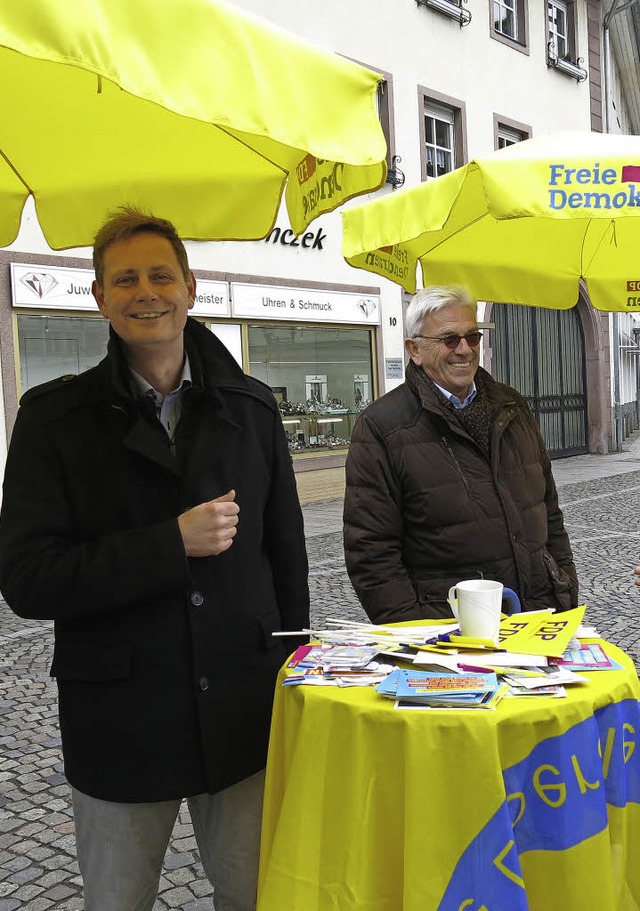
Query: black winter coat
(425, 508)
(165, 665)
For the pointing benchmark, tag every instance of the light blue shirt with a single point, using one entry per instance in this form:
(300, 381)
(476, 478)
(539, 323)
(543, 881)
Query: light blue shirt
(168, 407)
(455, 401)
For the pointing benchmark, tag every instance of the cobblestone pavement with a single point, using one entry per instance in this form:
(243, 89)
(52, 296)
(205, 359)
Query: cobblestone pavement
(37, 863)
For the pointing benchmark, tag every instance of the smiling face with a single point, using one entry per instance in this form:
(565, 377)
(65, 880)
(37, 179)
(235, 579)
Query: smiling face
(453, 370)
(145, 295)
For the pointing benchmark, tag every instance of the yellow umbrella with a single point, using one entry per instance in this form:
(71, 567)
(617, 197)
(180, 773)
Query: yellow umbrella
(523, 225)
(189, 108)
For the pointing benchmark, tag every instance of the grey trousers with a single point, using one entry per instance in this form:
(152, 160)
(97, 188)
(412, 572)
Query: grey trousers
(121, 846)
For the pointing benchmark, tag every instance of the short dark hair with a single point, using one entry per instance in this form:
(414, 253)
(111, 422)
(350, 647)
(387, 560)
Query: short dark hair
(127, 221)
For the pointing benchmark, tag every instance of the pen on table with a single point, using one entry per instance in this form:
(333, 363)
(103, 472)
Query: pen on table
(476, 668)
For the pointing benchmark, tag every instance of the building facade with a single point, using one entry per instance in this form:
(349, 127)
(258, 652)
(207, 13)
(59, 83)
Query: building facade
(459, 81)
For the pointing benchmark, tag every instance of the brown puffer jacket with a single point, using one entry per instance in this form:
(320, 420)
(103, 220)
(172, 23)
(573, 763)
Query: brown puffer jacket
(425, 508)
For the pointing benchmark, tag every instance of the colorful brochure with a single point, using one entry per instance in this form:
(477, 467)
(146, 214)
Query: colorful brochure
(588, 656)
(440, 689)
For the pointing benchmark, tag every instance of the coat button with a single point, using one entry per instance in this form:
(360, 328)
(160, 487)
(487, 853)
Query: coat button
(203, 683)
(197, 598)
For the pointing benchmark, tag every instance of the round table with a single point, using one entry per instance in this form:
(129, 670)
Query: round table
(533, 806)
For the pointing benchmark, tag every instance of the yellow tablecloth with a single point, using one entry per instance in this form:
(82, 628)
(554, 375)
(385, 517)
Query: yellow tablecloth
(532, 807)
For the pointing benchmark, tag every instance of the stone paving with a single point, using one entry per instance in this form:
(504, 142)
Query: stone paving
(37, 861)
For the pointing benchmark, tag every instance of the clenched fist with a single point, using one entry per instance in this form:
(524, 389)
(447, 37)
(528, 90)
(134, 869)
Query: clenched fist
(209, 529)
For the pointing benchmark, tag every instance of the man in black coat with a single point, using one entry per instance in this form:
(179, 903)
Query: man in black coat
(150, 510)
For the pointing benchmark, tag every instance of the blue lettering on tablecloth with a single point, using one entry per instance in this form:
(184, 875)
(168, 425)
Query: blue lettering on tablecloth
(556, 798)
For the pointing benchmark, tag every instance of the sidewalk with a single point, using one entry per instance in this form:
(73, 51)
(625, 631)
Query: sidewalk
(38, 870)
(325, 517)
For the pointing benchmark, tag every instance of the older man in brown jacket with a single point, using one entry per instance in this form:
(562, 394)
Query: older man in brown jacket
(448, 478)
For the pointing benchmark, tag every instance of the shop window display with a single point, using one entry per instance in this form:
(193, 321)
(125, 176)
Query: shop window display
(51, 346)
(321, 378)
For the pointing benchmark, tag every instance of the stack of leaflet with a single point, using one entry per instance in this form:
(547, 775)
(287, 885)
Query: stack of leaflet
(442, 690)
(548, 680)
(335, 665)
(586, 656)
(538, 653)
(560, 671)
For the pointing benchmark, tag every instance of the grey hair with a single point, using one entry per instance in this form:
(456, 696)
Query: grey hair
(432, 299)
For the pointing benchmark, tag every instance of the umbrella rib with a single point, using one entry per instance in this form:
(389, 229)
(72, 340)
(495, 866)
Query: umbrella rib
(251, 149)
(463, 227)
(19, 176)
(583, 265)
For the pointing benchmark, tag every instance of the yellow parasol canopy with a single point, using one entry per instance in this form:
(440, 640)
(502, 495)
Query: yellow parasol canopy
(523, 225)
(188, 108)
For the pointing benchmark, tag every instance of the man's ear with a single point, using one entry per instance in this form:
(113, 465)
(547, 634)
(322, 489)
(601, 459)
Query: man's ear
(413, 350)
(98, 293)
(191, 288)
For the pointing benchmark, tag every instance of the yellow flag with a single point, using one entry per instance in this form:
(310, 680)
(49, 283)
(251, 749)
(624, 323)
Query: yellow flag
(540, 633)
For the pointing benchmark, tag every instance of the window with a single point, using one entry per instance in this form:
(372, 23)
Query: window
(322, 378)
(51, 346)
(507, 138)
(508, 20)
(505, 19)
(507, 132)
(439, 150)
(442, 135)
(562, 52)
(558, 29)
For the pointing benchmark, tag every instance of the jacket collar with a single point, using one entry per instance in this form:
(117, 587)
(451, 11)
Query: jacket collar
(489, 390)
(213, 369)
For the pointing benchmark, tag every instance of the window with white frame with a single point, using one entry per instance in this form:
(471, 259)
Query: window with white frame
(439, 139)
(507, 132)
(509, 23)
(558, 19)
(562, 39)
(505, 18)
(508, 137)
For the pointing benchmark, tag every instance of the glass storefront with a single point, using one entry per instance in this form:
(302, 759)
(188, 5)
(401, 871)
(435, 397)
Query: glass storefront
(321, 377)
(51, 346)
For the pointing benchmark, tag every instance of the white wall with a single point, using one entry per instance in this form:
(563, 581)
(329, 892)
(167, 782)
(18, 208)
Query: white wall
(418, 46)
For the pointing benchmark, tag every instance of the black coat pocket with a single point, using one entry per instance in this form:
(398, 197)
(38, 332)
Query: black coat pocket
(111, 662)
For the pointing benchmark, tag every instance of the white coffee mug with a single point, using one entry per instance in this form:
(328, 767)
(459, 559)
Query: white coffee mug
(477, 604)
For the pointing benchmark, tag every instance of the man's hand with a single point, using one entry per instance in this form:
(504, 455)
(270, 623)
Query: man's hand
(209, 529)
(637, 572)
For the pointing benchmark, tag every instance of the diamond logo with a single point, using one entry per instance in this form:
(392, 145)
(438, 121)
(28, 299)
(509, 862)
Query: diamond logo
(41, 283)
(367, 306)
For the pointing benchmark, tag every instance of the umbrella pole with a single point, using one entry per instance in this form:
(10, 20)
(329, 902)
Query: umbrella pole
(615, 331)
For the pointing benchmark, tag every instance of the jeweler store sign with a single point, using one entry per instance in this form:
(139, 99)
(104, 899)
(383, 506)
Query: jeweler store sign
(57, 288)
(52, 287)
(303, 305)
(212, 299)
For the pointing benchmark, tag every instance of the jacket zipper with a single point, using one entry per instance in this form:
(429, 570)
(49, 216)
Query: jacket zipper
(456, 463)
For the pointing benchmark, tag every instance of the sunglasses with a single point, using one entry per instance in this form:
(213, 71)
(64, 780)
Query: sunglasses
(452, 341)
